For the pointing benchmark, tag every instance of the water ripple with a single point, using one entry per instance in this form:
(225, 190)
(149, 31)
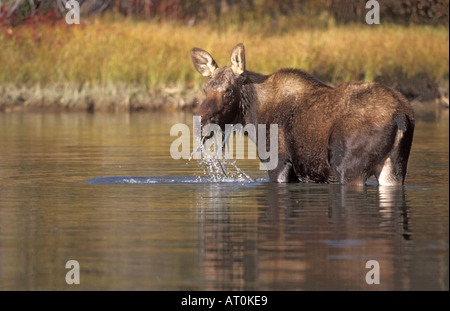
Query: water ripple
(124, 180)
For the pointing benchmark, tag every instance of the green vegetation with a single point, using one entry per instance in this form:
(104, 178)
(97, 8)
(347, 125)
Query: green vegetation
(129, 63)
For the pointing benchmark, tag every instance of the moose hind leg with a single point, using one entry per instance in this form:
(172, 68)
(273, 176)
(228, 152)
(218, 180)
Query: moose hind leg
(393, 170)
(357, 156)
(387, 176)
(346, 162)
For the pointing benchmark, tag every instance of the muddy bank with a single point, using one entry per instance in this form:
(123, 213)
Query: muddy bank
(129, 98)
(111, 98)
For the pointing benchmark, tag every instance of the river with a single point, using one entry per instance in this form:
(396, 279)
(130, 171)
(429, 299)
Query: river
(103, 190)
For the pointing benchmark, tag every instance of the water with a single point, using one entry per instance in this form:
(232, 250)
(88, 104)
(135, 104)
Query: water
(102, 189)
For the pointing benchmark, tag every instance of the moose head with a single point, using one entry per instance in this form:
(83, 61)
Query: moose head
(223, 91)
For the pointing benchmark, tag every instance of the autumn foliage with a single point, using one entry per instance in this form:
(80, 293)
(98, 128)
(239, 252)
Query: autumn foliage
(300, 12)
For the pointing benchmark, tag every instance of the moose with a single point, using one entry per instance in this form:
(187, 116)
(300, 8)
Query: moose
(343, 134)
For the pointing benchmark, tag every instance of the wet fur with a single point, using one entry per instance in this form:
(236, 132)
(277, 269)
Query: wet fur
(326, 135)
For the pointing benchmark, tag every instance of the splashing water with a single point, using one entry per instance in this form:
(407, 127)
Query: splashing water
(217, 167)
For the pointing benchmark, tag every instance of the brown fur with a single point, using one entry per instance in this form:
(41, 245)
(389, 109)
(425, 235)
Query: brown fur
(344, 134)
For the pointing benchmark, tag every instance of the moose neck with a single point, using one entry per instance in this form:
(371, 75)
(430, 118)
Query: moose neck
(251, 97)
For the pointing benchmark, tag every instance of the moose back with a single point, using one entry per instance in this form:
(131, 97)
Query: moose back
(325, 135)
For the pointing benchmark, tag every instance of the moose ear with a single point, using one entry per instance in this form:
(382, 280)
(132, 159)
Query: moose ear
(203, 62)
(238, 59)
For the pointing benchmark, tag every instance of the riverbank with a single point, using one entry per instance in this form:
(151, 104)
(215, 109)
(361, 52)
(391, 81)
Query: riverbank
(127, 98)
(117, 97)
(134, 66)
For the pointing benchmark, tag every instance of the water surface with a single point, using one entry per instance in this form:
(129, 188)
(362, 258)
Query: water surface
(102, 189)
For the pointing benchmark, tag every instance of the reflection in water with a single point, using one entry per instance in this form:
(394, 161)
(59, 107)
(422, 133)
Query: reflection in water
(304, 234)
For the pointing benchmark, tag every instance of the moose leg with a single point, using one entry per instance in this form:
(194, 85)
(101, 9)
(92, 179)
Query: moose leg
(393, 170)
(355, 156)
(284, 171)
(384, 153)
(348, 157)
(387, 175)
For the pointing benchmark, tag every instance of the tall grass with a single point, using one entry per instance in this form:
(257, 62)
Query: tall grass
(156, 56)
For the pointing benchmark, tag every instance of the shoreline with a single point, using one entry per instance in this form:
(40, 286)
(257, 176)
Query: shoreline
(121, 97)
(111, 98)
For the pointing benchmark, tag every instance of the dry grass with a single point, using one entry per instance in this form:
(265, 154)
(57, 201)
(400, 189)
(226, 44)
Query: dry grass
(155, 57)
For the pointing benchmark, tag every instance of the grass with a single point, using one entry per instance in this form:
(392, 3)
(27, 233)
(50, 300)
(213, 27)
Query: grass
(145, 60)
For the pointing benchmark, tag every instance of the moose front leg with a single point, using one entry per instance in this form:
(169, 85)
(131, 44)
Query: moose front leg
(284, 172)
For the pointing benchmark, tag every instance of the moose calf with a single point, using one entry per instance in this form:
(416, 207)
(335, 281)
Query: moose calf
(325, 135)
